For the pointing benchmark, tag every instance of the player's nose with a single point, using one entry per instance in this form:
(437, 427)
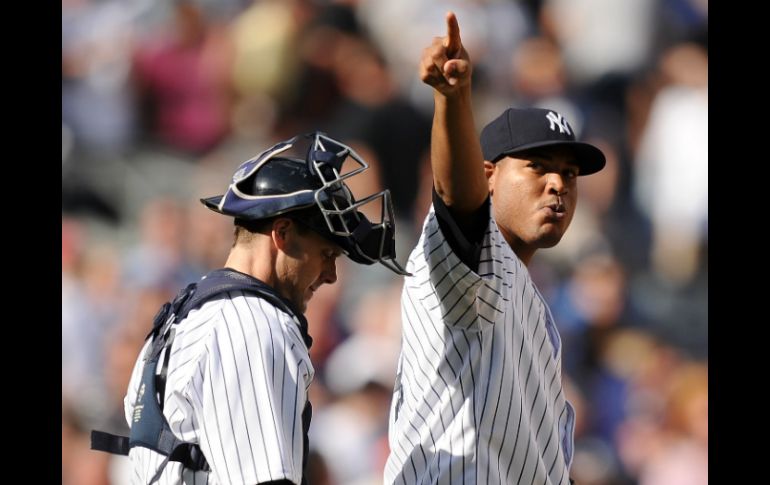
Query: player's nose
(556, 184)
(329, 273)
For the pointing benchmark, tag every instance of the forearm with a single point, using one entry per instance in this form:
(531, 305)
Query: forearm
(456, 159)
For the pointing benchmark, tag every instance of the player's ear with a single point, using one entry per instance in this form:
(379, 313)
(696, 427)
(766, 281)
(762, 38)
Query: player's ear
(490, 170)
(281, 232)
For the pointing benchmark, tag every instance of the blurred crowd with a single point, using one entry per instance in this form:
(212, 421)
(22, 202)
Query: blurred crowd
(161, 100)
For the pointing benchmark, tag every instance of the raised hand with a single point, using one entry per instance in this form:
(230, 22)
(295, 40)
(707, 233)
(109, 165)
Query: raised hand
(445, 64)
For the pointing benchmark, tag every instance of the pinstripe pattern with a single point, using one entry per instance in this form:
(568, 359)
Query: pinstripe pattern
(237, 384)
(478, 397)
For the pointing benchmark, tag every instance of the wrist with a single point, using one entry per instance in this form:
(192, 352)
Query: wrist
(460, 94)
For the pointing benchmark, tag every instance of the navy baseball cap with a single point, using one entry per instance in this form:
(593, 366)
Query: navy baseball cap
(517, 130)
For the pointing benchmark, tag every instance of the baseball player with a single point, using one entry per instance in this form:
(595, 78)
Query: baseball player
(479, 396)
(219, 393)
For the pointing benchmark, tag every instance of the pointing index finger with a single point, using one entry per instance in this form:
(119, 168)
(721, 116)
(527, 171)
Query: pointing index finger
(452, 42)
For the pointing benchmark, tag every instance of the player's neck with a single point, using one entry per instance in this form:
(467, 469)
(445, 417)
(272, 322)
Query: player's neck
(524, 253)
(253, 259)
(523, 250)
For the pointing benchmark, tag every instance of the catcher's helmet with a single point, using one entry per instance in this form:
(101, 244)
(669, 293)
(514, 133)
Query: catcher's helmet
(271, 184)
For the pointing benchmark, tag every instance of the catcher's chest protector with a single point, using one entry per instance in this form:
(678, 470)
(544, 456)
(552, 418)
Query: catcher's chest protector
(149, 427)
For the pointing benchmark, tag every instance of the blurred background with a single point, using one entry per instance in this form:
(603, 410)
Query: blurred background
(162, 100)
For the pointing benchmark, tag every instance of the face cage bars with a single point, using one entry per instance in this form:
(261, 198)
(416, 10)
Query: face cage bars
(336, 184)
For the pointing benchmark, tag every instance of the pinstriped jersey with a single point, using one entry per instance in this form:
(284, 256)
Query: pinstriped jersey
(237, 384)
(478, 396)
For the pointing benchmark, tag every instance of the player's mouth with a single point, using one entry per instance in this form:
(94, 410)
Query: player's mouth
(555, 211)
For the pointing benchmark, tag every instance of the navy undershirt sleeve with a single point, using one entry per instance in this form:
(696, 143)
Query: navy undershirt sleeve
(465, 239)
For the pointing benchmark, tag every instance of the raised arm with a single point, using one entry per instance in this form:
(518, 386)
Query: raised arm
(458, 170)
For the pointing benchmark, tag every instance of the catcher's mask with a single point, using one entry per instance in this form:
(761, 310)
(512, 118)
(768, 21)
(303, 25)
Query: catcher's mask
(271, 184)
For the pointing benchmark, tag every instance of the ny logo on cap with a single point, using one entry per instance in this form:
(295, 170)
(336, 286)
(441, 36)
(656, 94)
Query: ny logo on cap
(557, 120)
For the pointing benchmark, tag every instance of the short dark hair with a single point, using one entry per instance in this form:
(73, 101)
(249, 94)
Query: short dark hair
(246, 229)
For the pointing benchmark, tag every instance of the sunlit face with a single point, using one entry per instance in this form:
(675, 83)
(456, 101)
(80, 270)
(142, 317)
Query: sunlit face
(307, 262)
(534, 195)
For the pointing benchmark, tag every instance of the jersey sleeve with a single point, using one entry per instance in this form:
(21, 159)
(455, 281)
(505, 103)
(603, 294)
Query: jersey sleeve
(444, 287)
(465, 239)
(249, 392)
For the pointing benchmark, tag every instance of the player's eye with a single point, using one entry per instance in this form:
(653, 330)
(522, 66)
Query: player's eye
(570, 174)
